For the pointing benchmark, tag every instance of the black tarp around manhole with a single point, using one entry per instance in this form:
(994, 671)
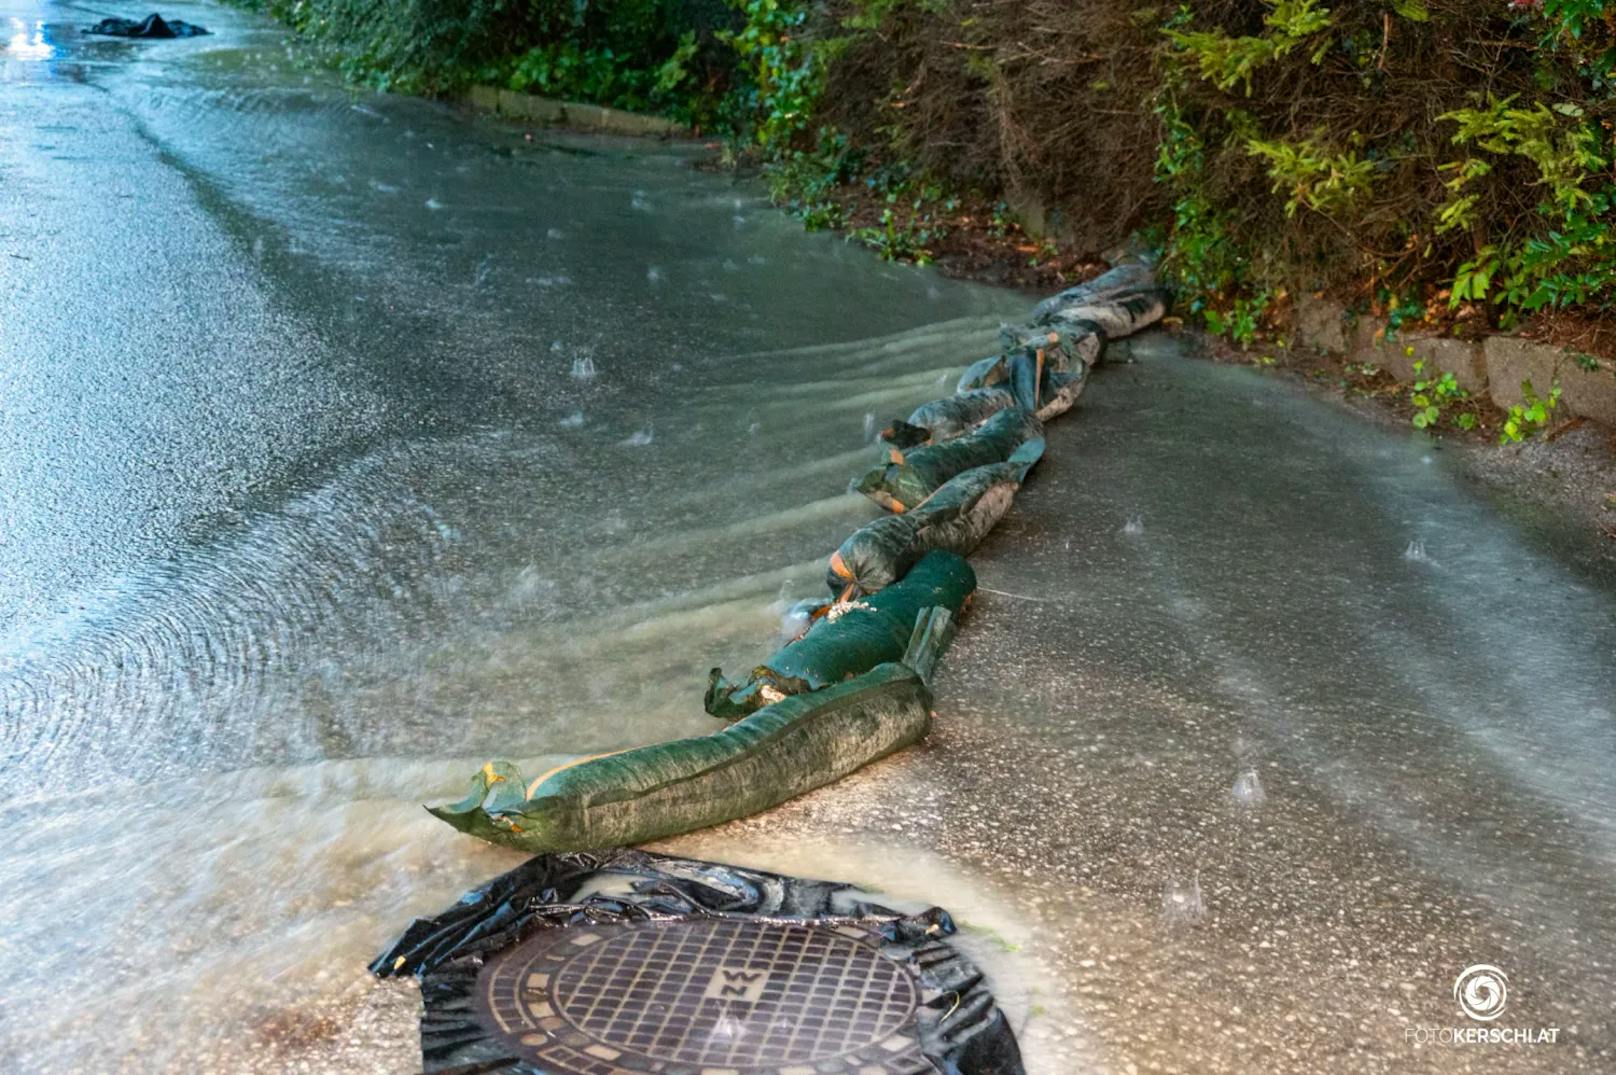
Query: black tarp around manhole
(628, 962)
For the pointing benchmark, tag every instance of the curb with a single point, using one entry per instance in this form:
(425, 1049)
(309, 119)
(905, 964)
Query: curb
(1493, 366)
(586, 117)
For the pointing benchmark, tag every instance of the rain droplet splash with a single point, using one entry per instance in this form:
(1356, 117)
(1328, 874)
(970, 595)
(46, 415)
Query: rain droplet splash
(1134, 526)
(798, 617)
(575, 420)
(1182, 900)
(1248, 789)
(640, 438)
(583, 368)
(1416, 554)
(532, 587)
(869, 428)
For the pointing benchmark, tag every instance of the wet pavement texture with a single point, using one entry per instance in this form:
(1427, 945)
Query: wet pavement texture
(347, 441)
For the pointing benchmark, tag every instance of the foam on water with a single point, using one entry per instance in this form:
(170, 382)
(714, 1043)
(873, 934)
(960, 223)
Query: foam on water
(366, 859)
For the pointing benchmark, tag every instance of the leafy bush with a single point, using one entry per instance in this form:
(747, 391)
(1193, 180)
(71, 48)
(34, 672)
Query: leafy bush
(786, 69)
(1530, 415)
(1400, 149)
(1433, 393)
(422, 46)
(654, 55)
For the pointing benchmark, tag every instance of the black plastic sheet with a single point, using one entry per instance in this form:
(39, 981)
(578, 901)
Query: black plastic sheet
(505, 974)
(152, 26)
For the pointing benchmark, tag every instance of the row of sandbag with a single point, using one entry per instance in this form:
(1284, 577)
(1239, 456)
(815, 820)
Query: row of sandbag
(954, 465)
(853, 686)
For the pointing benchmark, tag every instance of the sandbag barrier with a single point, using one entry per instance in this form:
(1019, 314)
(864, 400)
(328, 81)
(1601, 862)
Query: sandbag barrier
(907, 479)
(781, 750)
(852, 682)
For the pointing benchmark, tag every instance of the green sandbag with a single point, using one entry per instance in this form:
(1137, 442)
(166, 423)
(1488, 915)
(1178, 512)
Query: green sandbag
(775, 754)
(1046, 367)
(1015, 370)
(949, 417)
(1069, 349)
(956, 518)
(910, 477)
(1063, 343)
(1134, 276)
(1117, 317)
(1041, 370)
(848, 640)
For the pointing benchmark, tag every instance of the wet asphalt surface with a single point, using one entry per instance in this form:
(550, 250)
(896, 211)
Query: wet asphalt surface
(348, 440)
(1240, 737)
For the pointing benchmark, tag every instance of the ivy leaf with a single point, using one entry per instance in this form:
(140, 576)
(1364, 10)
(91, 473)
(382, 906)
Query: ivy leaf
(1413, 10)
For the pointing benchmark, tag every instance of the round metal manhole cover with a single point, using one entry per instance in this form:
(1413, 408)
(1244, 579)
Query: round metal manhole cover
(710, 996)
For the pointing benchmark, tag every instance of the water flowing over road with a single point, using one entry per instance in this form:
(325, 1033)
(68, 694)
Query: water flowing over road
(347, 441)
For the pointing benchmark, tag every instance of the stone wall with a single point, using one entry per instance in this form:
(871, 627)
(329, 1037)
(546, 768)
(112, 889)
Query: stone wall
(1492, 367)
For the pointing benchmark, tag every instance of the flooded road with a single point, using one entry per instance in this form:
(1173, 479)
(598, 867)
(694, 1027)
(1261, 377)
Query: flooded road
(347, 441)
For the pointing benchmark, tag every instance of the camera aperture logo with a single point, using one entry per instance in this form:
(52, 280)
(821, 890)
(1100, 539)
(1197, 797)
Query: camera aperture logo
(1482, 990)
(1482, 993)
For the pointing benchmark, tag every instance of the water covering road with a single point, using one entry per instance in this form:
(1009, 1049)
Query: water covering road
(347, 441)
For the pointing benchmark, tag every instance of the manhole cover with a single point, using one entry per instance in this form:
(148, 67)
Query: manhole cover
(627, 962)
(711, 996)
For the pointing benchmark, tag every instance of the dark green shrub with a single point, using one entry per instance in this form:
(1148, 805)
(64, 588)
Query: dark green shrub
(1398, 148)
(654, 55)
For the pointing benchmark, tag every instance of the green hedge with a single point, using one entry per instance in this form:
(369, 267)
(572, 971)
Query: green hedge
(667, 56)
(1404, 150)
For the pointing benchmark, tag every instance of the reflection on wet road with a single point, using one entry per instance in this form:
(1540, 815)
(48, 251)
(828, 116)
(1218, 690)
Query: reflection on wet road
(348, 440)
